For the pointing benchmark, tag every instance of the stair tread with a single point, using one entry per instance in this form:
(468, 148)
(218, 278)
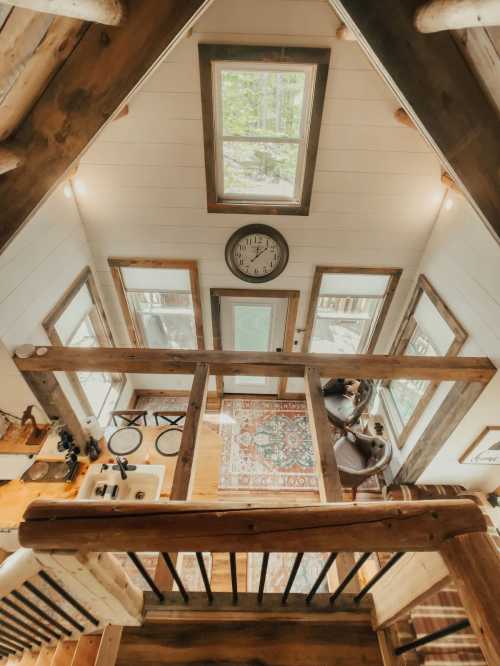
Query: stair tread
(64, 653)
(45, 656)
(86, 651)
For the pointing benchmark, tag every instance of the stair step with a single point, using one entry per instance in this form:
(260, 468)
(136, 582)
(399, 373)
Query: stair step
(109, 646)
(28, 659)
(45, 656)
(86, 651)
(64, 653)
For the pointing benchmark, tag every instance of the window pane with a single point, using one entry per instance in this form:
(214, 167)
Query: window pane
(252, 332)
(262, 103)
(260, 169)
(408, 392)
(165, 318)
(343, 325)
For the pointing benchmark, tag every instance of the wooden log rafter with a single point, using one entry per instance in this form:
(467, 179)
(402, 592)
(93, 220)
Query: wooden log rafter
(9, 159)
(404, 118)
(109, 12)
(438, 15)
(95, 80)
(263, 364)
(344, 33)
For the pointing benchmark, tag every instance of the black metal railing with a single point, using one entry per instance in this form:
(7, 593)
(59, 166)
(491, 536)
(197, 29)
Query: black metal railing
(29, 618)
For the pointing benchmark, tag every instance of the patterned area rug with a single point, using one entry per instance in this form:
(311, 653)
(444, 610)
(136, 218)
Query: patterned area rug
(278, 572)
(267, 446)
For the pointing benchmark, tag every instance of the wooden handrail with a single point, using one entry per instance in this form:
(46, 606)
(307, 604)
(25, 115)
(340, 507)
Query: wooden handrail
(185, 526)
(265, 364)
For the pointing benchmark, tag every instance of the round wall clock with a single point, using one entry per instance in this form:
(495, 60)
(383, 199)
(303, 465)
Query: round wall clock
(257, 253)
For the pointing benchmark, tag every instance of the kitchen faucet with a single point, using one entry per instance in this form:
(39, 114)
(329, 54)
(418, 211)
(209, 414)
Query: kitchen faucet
(123, 466)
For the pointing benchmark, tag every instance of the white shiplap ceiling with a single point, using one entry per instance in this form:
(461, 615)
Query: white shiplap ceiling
(376, 190)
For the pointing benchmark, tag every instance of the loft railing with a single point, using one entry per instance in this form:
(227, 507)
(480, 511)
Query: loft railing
(452, 530)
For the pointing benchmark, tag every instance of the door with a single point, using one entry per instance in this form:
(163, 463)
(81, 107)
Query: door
(252, 324)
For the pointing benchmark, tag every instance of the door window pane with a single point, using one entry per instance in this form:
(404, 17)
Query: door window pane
(252, 332)
(165, 319)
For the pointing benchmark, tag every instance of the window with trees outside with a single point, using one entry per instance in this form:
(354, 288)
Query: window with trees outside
(262, 112)
(347, 309)
(160, 300)
(428, 329)
(78, 320)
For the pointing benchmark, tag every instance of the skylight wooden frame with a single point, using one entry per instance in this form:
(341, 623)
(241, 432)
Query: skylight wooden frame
(394, 275)
(191, 265)
(274, 55)
(400, 344)
(100, 324)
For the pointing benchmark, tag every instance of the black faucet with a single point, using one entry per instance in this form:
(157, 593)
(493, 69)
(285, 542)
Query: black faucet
(123, 466)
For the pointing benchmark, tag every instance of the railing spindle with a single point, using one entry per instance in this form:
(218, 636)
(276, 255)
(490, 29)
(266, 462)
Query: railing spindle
(436, 635)
(67, 597)
(319, 579)
(388, 565)
(25, 626)
(349, 577)
(48, 602)
(142, 570)
(11, 628)
(32, 618)
(175, 576)
(293, 573)
(20, 597)
(263, 573)
(234, 577)
(204, 575)
(16, 642)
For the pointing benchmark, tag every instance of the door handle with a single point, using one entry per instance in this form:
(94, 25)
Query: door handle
(279, 349)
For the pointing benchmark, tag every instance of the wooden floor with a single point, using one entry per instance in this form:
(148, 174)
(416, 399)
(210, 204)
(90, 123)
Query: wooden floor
(274, 643)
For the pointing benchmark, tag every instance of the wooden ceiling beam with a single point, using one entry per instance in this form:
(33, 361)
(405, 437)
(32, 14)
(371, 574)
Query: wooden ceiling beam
(263, 364)
(438, 15)
(95, 80)
(440, 93)
(9, 160)
(109, 12)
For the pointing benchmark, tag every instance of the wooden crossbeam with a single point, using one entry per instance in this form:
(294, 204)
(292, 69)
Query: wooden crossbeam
(95, 81)
(219, 527)
(263, 364)
(438, 15)
(440, 92)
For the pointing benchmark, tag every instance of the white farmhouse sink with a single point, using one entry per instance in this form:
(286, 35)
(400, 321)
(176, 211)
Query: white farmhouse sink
(102, 482)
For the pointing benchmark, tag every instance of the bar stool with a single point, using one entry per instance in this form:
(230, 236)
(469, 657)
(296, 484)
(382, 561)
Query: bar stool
(130, 416)
(172, 417)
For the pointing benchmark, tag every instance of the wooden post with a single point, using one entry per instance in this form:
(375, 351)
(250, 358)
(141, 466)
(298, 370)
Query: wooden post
(183, 474)
(54, 402)
(474, 563)
(329, 479)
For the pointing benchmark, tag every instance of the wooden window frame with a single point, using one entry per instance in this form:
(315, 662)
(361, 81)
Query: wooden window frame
(401, 340)
(394, 277)
(85, 277)
(291, 295)
(135, 334)
(209, 53)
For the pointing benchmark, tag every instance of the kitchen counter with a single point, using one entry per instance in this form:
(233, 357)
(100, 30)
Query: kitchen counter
(15, 496)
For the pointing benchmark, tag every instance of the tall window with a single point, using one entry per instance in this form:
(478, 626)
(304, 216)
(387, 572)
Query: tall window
(262, 111)
(78, 320)
(428, 329)
(347, 309)
(160, 300)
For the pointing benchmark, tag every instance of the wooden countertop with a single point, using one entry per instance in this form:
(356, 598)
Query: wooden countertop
(16, 495)
(16, 438)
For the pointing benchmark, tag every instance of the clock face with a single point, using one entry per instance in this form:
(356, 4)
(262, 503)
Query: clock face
(257, 253)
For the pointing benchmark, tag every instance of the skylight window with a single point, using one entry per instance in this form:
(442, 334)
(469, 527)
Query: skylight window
(262, 112)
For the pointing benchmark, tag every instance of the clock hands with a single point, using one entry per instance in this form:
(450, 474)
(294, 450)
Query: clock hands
(258, 254)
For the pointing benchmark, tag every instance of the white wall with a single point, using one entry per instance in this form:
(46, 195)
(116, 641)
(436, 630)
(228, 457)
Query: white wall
(376, 190)
(35, 270)
(462, 261)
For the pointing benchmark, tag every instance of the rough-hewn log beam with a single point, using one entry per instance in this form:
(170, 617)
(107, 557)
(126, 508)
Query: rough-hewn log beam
(188, 526)
(438, 15)
(440, 92)
(94, 81)
(474, 563)
(343, 33)
(403, 118)
(109, 12)
(263, 364)
(9, 160)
